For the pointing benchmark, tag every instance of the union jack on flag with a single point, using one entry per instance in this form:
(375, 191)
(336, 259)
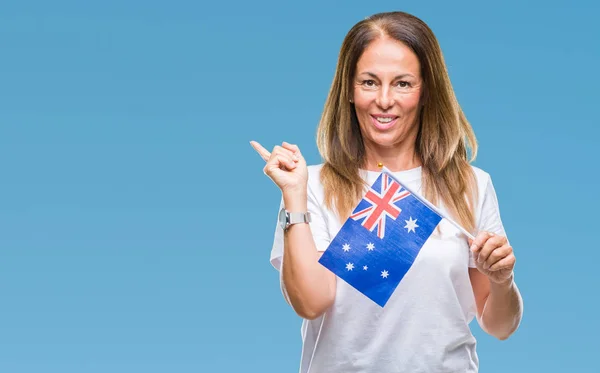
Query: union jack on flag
(379, 242)
(381, 205)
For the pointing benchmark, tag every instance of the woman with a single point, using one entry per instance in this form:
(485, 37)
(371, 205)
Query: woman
(392, 103)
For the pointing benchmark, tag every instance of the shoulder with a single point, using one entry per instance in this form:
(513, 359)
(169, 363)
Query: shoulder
(481, 175)
(482, 178)
(488, 210)
(314, 176)
(314, 170)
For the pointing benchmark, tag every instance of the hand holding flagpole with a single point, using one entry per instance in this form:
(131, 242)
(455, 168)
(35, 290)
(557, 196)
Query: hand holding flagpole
(493, 254)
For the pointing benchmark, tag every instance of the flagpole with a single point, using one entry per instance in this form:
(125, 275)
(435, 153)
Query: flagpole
(426, 202)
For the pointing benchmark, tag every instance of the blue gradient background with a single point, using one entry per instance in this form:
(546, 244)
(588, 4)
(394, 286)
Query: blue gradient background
(136, 222)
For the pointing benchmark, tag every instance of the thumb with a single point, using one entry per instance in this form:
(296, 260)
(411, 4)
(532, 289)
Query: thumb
(294, 148)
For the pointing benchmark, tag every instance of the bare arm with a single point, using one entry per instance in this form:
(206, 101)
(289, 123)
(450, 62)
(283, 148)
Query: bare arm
(499, 302)
(499, 306)
(309, 285)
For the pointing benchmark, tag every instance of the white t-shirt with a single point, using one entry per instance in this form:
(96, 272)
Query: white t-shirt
(424, 327)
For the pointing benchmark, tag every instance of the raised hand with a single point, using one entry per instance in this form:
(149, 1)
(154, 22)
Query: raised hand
(285, 166)
(494, 257)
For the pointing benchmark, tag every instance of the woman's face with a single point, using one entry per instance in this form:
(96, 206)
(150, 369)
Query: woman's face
(387, 90)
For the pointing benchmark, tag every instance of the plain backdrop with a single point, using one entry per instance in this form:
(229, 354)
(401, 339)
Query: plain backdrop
(136, 223)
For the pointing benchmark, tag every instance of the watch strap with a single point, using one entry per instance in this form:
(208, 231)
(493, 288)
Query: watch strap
(299, 217)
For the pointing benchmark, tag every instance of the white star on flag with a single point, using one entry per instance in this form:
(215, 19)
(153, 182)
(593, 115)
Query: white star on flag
(365, 268)
(346, 247)
(384, 274)
(370, 246)
(411, 224)
(349, 266)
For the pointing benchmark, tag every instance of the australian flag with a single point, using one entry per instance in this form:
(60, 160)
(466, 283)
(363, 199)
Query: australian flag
(381, 239)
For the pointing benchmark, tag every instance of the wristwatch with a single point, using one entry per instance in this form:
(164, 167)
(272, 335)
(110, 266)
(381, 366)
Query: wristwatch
(287, 218)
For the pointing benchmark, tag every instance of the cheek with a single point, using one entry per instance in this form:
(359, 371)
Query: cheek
(362, 107)
(364, 102)
(409, 102)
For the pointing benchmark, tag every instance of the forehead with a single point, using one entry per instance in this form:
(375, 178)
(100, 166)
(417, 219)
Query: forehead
(388, 56)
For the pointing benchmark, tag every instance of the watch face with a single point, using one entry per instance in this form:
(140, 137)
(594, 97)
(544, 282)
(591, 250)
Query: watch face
(282, 219)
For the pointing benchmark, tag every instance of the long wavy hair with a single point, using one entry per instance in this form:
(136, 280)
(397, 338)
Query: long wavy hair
(444, 137)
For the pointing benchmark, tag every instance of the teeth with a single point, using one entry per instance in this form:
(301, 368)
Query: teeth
(384, 120)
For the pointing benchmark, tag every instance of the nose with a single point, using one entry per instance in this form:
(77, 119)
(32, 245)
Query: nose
(385, 100)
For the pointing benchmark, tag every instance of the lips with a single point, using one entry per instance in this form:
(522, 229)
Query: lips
(383, 126)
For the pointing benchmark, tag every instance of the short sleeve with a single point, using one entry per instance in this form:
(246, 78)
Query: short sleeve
(488, 217)
(318, 228)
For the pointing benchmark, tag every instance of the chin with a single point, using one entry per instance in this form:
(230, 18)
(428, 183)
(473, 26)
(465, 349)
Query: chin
(384, 139)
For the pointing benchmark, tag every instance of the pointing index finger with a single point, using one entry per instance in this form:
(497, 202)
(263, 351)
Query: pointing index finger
(264, 153)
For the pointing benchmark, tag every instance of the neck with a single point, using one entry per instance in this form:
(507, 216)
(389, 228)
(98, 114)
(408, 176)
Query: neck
(393, 158)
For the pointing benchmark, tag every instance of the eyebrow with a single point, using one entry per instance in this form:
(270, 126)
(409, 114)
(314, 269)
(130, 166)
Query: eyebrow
(396, 77)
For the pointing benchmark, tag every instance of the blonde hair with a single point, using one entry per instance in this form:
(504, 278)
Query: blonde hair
(444, 135)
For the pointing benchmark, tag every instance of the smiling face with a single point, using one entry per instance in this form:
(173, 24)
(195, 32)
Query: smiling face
(386, 95)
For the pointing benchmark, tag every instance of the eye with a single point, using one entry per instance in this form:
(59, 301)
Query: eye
(403, 84)
(368, 83)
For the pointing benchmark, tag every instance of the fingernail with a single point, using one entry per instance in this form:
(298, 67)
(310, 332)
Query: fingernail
(472, 247)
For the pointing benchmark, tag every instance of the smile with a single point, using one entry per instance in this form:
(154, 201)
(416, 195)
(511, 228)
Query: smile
(384, 122)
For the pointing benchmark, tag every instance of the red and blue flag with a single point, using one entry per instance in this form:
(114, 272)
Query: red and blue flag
(381, 239)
